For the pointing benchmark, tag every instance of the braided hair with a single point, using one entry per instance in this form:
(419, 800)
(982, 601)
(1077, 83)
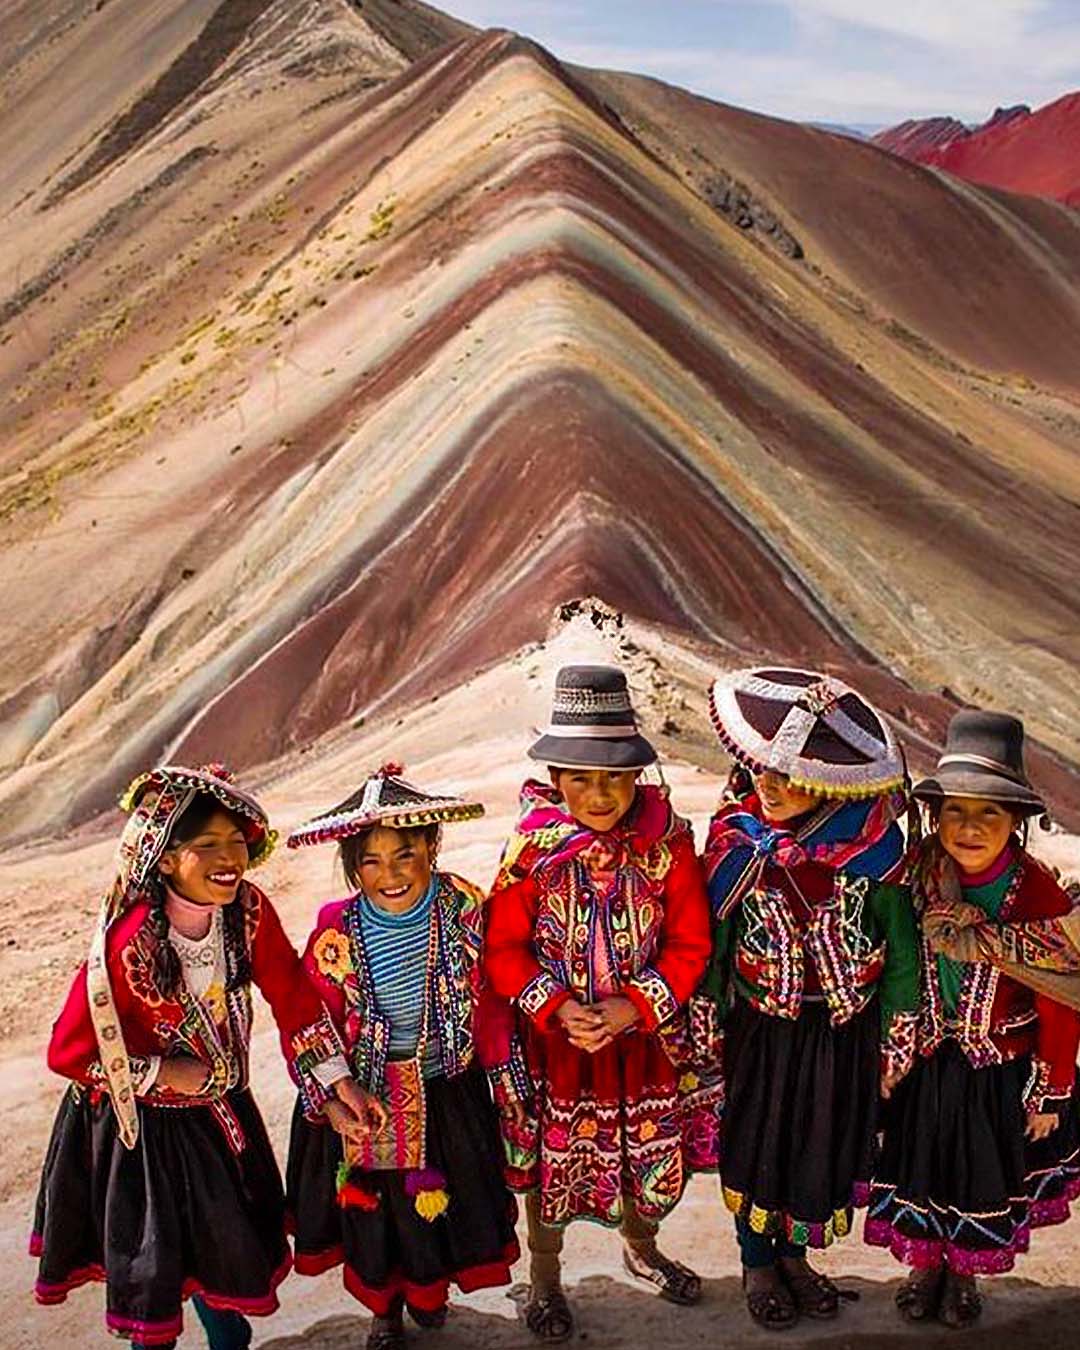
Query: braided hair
(166, 963)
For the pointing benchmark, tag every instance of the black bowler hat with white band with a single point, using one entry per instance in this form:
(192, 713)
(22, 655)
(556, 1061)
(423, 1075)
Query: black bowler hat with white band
(983, 758)
(592, 723)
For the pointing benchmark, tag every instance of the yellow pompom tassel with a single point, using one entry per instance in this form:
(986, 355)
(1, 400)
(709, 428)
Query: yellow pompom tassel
(430, 1204)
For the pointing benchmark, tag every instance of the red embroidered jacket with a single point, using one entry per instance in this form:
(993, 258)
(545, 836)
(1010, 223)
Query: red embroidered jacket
(537, 953)
(155, 1025)
(998, 1019)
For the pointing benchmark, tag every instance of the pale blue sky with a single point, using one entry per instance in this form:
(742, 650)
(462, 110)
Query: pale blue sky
(824, 60)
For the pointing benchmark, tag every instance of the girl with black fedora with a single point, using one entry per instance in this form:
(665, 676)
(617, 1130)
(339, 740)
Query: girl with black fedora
(815, 974)
(981, 1140)
(598, 932)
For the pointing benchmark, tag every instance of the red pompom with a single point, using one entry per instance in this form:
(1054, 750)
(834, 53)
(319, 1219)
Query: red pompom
(391, 770)
(352, 1196)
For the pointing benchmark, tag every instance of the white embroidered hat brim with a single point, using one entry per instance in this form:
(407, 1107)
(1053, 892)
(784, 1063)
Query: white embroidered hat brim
(875, 762)
(409, 809)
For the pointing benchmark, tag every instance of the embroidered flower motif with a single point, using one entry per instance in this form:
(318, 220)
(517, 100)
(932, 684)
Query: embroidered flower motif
(587, 1129)
(214, 998)
(647, 1131)
(331, 953)
(689, 1081)
(140, 976)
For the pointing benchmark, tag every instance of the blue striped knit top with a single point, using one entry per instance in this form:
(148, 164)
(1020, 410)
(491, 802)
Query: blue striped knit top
(396, 947)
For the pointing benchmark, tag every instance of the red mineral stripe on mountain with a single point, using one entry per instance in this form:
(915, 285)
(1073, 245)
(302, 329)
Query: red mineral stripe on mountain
(1017, 149)
(346, 346)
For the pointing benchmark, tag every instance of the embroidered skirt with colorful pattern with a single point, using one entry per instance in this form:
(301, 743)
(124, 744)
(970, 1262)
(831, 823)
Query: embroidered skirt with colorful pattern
(388, 1249)
(195, 1208)
(957, 1183)
(621, 1122)
(800, 1120)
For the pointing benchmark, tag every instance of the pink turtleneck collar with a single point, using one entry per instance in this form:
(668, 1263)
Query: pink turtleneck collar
(188, 917)
(997, 868)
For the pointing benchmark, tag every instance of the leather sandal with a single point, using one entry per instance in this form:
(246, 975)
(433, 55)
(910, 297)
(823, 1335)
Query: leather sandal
(387, 1333)
(919, 1297)
(961, 1305)
(815, 1295)
(547, 1315)
(430, 1320)
(774, 1309)
(676, 1283)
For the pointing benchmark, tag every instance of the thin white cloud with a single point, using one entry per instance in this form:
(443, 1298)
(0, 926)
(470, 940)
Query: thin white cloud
(956, 25)
(841, 60)
(802, 87)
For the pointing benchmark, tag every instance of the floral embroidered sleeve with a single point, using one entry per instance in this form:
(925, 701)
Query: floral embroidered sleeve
(683, 950)
(1057, 1038)
(898, 989)
(495, 1035)
(509, 964)
(309, 1037)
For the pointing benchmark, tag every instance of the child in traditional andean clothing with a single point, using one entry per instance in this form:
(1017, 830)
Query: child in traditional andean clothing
(159, 1177)
(413, 1199)
(981, 1141)
(598, 931)
(816, 974)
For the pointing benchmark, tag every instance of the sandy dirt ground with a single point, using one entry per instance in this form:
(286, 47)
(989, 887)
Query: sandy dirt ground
(472, 739)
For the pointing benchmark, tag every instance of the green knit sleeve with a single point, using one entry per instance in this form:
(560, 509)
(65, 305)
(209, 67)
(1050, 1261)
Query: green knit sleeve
(895, 921)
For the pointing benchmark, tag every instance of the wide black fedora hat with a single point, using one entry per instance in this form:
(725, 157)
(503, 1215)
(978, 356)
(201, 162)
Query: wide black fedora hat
(592, 723)
(983, 757)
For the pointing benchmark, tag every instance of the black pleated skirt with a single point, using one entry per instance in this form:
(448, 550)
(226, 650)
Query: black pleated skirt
(390, 1251)
(195, 1208)
(957, 1183)
(800, 1119)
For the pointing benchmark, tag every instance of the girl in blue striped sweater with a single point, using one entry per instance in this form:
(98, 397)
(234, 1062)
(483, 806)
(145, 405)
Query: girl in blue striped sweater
(411, 1198)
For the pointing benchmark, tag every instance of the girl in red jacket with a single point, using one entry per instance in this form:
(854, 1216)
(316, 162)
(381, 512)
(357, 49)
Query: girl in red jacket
(159, 1178)
(598, 931)
(981, 1142)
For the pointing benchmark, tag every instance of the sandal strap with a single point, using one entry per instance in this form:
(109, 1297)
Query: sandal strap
(548, 1311)
(665, 1273)
(768, 1308)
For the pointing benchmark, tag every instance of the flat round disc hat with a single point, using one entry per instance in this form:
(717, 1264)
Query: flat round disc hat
(813, 728)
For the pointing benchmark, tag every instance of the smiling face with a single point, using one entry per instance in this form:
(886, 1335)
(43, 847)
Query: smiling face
(598, 798)
(393, 868)
(208, 866)
(974, 832)
(780, 799)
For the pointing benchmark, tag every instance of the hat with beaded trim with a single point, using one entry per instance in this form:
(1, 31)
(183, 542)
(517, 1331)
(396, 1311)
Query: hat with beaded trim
(385, 799)
(811, 727)
(592, 725)
(155, 801)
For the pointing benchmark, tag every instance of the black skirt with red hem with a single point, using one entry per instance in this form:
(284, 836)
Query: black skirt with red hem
(184, 1212)
(391, 1252)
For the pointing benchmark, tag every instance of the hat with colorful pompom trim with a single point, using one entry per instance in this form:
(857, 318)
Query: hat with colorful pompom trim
(385, 799)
